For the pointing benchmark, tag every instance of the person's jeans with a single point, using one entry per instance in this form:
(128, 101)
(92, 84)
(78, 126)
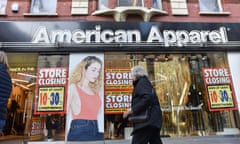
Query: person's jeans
(84, 130)
(2, 124)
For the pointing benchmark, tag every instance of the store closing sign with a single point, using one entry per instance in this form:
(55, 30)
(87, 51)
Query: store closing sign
(219, 89)
(118, 90)
(51, 90)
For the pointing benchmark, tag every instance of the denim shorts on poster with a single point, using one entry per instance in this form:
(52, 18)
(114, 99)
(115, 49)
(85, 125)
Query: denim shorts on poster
(84, 130)
(2, 124)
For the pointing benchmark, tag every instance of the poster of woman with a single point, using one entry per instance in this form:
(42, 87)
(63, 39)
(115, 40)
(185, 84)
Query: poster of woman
(85, 115)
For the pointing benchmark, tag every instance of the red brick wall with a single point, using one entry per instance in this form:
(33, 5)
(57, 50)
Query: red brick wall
(64, 12)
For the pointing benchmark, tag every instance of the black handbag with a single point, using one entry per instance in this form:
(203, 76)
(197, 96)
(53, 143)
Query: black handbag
(139, 118)
(144, 116)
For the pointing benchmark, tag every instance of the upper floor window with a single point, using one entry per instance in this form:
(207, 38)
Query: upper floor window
(3, 4)
(79, 7)
(130, 3)
(102, 4)
(157, 4)
(43, 6)
(210, 5)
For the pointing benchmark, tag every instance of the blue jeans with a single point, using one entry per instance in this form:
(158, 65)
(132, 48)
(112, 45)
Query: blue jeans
(2, 124)
(84, 130)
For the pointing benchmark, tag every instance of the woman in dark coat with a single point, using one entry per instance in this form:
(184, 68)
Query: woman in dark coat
(5, 89)
(143, 97)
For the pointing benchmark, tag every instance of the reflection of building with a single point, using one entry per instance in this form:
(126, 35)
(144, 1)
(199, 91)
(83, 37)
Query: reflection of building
(3, 6)
(174, 40)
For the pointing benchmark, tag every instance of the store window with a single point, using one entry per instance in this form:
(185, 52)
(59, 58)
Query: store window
(23, 68)
(3, 4)
(179, 84)
(43, 6)
(210, 6)
(51, 92)
(28, 96)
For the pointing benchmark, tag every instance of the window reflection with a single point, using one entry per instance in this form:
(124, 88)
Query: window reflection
(130, 2)
(157, 4)
(209, 5)
(3, 6)
(43, 6)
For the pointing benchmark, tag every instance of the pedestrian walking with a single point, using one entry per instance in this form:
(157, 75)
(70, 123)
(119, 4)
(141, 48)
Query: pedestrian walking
(5, 88)
(143, 98)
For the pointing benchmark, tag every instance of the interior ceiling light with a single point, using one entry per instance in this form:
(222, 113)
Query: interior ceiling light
(28, 75)
(19, 80)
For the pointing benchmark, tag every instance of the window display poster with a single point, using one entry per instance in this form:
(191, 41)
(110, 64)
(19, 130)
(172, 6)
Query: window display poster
(51, 89)
(233, 61)
(220, 92)
(85, 115)
(36, 128)
(118, 90)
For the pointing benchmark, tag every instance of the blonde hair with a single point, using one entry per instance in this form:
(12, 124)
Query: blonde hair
(3, 59)
(78, 73)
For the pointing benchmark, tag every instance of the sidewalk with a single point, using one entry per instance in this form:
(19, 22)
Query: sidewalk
(229, 139)
(191, 140)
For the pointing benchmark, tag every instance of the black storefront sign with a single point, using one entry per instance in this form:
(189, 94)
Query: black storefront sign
(73, 36)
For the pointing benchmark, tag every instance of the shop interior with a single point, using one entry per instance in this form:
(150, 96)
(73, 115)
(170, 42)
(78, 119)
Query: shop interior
(177, 79)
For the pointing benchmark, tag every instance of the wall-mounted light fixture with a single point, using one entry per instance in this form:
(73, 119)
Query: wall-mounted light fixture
(15, 7)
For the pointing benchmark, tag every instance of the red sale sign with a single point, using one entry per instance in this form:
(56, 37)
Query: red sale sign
(118, 90)
(220, 92)
(51, 90)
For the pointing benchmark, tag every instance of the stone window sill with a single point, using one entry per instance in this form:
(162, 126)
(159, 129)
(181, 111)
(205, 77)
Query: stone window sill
(214, 13)
(40, 14)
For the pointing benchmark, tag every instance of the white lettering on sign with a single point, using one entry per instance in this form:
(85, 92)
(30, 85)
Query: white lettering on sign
(81, 36)
(52, 76)
(181, 37)
(217, 76)
(97, 35)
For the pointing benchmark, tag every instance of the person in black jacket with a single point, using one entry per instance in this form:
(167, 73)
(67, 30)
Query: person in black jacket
(143, 97)
(5, 88)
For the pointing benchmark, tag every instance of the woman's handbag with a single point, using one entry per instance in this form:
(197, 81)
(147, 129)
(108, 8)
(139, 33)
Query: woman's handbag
(142, 116)
(139, 118)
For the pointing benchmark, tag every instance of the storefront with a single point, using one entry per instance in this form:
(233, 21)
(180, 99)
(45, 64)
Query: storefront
(191, 65)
